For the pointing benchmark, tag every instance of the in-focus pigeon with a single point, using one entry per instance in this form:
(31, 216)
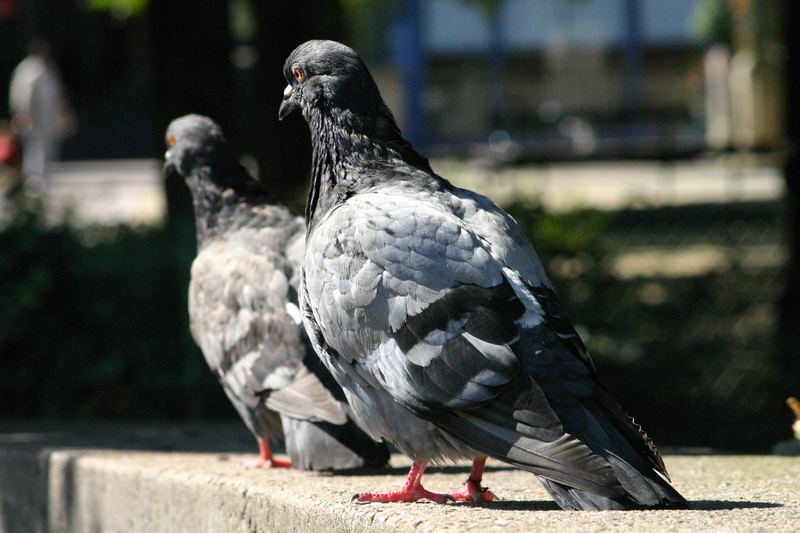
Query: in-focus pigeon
(432, 310)
(244, 314)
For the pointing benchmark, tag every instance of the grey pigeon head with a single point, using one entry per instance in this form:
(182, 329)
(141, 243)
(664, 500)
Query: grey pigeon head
(327, 75)
(351, 126)
(198, 152)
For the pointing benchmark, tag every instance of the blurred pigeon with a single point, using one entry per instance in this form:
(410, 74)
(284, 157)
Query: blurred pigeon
(244, 314)
(432, 310)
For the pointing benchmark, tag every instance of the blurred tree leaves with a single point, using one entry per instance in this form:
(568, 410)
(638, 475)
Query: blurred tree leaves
(711, 22)
(693, 357)
(98, 330)
(120, 8)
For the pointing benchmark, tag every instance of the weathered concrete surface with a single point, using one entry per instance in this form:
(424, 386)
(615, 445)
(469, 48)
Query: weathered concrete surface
(51, 481)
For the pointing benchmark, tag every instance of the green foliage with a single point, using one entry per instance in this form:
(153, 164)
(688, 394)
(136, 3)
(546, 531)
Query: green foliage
(568, 233)
(692, 356)
(711, 22)
(98, 331)
(121, 8)
(243, 23)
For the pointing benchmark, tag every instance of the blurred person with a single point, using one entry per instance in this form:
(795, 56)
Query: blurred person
(39, 112)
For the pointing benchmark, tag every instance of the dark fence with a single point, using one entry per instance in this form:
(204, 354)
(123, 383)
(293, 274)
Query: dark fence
(678, 306)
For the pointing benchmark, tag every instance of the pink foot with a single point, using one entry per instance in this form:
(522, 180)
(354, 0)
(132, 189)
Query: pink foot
(265, 459)
(412, 490)
(267, 463)
(473, 492)
(402, 495)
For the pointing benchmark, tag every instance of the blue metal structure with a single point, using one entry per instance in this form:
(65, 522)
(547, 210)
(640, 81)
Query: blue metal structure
(408, 54)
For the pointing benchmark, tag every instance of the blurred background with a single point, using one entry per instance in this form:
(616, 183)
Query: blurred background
(647, 147)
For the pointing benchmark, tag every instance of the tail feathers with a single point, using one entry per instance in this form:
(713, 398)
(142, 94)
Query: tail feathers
(565, 460)
(642, 490)
(634, 459)
(644, 493)
(597, 469)
(633, 432)
(645, 487)
(322, 446)
(572, 499)
(307, 398)
(633, 467)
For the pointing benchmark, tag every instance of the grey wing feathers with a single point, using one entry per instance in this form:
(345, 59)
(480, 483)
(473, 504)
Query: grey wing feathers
(392, 303)
(238, 301)
(306, 399)
(295, 249)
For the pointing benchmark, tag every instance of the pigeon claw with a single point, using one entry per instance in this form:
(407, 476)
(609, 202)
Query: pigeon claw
(473, 492)
(265, 459)
(404, 495)
(267, 463)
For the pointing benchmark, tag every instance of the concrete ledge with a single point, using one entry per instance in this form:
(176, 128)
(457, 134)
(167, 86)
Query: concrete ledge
(99, 478)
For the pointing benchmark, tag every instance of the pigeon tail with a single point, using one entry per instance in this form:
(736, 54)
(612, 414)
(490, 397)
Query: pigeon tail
(572, 499)
(643, 489)
(322, 446)
(591, 466)
(634, 460)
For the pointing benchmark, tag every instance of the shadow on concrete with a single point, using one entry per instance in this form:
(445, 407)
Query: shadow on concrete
(221, 437)
(513, 505)
(544, 505)
(402, 471)
(725, 505)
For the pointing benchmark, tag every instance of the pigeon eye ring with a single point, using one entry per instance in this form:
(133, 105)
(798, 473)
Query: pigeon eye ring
(298, 74)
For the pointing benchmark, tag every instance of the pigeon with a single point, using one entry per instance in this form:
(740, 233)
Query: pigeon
(432, 310)
(244, 312)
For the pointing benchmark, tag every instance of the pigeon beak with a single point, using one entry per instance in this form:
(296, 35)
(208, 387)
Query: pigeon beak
(170, 171)
(288, 105)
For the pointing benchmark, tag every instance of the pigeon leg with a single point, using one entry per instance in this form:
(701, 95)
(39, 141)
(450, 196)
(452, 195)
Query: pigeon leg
(265, 459)
(472, 490)
(411, 491)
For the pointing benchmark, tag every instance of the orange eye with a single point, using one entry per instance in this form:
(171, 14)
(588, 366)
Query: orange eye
(298, 74)
(171, 140)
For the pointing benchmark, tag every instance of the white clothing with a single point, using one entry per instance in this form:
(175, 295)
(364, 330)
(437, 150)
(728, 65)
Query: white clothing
(35, 91)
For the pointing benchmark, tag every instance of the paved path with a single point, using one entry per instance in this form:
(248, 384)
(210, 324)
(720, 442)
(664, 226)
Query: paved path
(613, 185)
(106, 192)
(132, 191)
(103, 478)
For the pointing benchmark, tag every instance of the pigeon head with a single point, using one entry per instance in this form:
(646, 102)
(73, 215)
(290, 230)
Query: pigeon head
(351, 127)
(195, 146)
(330, 77)
(198, 152)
